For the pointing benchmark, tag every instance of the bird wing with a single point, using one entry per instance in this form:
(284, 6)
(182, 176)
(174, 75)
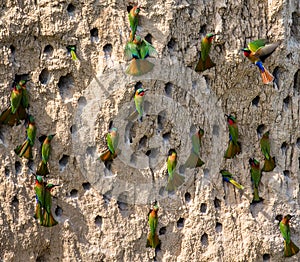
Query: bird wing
(264, 52)
(131, 51)
(226, 174)
(255, 45)
(285, 231)
(196, 144)
(45, 152)
(147, 49)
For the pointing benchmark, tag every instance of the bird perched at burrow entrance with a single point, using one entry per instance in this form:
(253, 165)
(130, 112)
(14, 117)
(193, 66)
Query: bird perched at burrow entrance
(112, 140)
(46, 149)
(194, 159)
(290, 248)
(25, 150)
(234, 147)
(19, 101)
(269, 164)
(133, 17)
(139, 98)
(227, 177)
(174, 179)
(205, 62)
(72, 50)
(255, 177)
(137, 51)
(257, 52)
(152, 239)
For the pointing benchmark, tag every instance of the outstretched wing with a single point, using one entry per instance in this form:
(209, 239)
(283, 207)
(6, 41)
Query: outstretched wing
(255, 45)
(131, 51)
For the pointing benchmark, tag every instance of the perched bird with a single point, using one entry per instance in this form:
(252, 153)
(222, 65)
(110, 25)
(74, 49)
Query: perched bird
(25, 150)
(174, 179)
(257, 52)
(290, 248)
(227, 177)
(133, 20)
(139, 102)
(18, 103)
(46, 149)
(269, 164)
(234, 147)
(205, 62)
(194, 159)
(112, 140)
(137, 51)
(72, 50)
(255, 177)
(40, 192)
(48, 219)
(152, 239)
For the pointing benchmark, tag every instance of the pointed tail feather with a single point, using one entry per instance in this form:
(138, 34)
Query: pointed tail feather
(73, 54)
(8, 118)
(174, 182)
(24, 150)
(290, 249)
(134, 115)
(138, 67)
(48, 220)
(232, 150)
(193, 161)
(106, 156)
(256, 198)
(38, 213)
(236, 184)
(266, 76)
(269, 165)
(152, 240)
(204, 65)
(42, 169)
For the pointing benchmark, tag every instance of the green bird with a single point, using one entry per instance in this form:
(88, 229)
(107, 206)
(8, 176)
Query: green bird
(234, 147)
(137, 51)
(18, 103)
(255, 177)
(72, 50)
(139, 102)
(133, 17)
(40, 192)
(25, 150)
(152, 239)
(290, 248)
(227, 177)
(112, 140)
(46, 149)
(48, 219)
(269, 164)
(174, 179)
(194, 159)
(257, 52)
(205, 62)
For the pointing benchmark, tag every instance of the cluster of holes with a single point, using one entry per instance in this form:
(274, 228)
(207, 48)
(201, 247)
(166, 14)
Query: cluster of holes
(63, 162)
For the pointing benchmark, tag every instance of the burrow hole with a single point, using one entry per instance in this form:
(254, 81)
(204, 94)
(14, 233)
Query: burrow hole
(266, 257)
(171, 44)
(18, 167)
(63, 162)
(166, 136)
(44, 76)
(12, 50)
(66, 85)
(295, 28)
(286, 173)
(162, 230)
(94, 35)
(187, 197)
(73, 129)
(276, 74)
(255, 101)
(86, 186)
(6, 171)
(71, 9)
(58, 211)
(283, 148)
(169, 88)
(286, 102)
(148, 38)
(297, 83)
(204, 240)
(48, 50)
(98, 221)
(218, 227)
(180, 222)
(143, 142)
(260, 130)
(202, 29)
(74, 193)
(129, 7)
(203, 207)
(217, 203)
(107, 49)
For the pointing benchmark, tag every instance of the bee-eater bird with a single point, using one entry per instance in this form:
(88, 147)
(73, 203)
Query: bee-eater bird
(255, 177)
(137, 51)
(234, 147)
(227, 177)
(48, 219)
(46, 149)
(194, 159)
(112, 140)
(25, 150)
(40, 192)
(269, 164)
(152, 239)
(290, 248)
(257, 52)
(174, 179)
(205, 62)
(72, 50)
(133, 17)
(139, 98)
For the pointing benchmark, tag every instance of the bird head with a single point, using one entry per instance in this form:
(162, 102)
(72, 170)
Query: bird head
(140, 91)
(288, 217)
(210, 36)
(136, 9)
(230, 119)
(201, 132)
(31, 119)
(267, 134)
(253, 162)
(137, 39)
(246, 51)
(50, 137)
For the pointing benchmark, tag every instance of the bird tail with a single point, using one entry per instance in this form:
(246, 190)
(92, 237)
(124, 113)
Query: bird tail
(8, 118)
(290, 249)
(133, 116)
(48, 220)
(174, 182)
(24, 150)
(42, 169)
(38, 212)
(269, 164)
(266, 76)
(203, 65)
(138, 67)
(256, 197)
(232, 150)
(193, 161)
(152, 240)
(236, 184)
(106, 156)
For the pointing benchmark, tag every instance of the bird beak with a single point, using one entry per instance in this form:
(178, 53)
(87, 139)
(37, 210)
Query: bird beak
(54, 134)
(146, 90)
(226, 115)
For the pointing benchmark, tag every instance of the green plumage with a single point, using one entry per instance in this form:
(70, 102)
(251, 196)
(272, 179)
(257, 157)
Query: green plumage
(194, 159)
(112, 139)
(269, 163)
(72, 50)
(255, 177)
(46, 149)
(234, 146)
(139, 102)
(290, 248)
(153, 240)
(205, 62)
(16, 98)
(133, 20)
(174, 179)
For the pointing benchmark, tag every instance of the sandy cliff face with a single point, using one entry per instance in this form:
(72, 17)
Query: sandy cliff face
(102, 214)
